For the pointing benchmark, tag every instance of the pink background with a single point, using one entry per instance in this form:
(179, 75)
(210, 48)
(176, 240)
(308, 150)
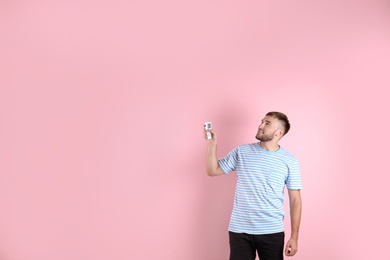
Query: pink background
(102, 105)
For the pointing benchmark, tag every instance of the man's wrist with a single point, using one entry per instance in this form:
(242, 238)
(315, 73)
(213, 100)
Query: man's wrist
(212, 144)
(294, 235)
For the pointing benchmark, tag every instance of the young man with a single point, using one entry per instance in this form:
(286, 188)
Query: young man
(263, 170)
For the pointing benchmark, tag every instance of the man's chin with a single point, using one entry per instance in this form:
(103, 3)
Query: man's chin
(264, 139)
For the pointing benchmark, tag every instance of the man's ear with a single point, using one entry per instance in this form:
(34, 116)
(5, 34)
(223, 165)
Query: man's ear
(279, 132)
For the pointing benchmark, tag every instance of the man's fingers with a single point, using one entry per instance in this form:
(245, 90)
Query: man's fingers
(288, 250)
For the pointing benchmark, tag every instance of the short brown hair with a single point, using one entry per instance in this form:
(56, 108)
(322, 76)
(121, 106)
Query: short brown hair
(283, 118)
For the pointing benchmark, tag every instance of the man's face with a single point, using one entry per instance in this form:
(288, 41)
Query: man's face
(267, 129)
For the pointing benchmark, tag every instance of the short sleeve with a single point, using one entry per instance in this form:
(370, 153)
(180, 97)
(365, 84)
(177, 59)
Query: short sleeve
(293, 181)
(229, 162)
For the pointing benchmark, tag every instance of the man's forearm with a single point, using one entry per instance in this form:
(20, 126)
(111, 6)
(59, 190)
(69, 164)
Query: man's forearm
(211, 159)
(295, 213)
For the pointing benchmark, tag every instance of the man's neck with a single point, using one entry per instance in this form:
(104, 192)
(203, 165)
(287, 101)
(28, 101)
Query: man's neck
(270, 146)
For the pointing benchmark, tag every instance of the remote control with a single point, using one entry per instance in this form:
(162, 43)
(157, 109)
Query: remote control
(208, 127)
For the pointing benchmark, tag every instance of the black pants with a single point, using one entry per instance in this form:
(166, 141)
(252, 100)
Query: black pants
(244, 246)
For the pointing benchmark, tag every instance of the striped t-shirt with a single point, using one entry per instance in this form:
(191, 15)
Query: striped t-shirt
(261, 177)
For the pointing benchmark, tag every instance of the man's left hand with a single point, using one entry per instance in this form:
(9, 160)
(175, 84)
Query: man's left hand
(291, 247)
